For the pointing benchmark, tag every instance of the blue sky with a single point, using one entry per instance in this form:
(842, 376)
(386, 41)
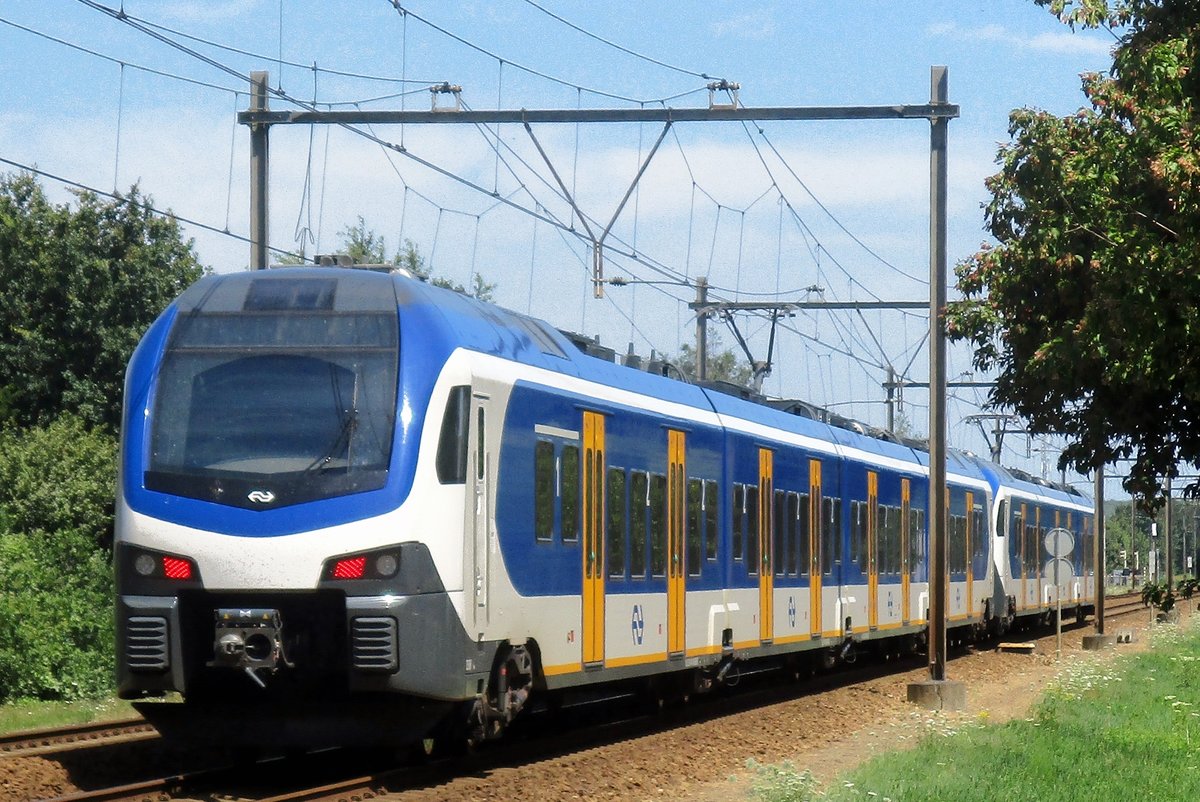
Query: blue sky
(709, 203)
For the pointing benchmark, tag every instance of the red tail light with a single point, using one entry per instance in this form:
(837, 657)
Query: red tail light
(350, 568)
(175, 568)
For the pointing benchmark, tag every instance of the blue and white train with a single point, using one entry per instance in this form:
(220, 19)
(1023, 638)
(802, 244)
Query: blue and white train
(352, 501)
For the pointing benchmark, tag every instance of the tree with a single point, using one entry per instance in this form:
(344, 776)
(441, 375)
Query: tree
(720, 366)
(78, 288)
(1088, 306)
(364, 246)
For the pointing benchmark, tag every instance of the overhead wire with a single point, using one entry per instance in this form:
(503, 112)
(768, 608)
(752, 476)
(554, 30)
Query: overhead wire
(152, 209)
(401, 9)
(616, 46)
(262, 57)
(633, 255)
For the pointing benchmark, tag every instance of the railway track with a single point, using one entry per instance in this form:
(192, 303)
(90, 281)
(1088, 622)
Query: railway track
(79, 736)
(1123, 605)
(348, 778)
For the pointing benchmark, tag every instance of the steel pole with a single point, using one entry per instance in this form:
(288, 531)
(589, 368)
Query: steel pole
(1167, 540)
(259, 172)
(701, 330)
(938, 584)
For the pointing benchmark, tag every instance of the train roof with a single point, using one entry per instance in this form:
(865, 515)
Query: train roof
(448, 319)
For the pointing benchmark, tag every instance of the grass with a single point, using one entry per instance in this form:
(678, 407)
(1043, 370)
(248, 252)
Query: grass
(1104, 729)
(18, 716)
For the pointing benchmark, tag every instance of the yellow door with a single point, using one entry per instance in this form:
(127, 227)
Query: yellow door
(766, 545)
(815, 524)
(872, 549)
(676, 538)
(593, 537)
(905, 544)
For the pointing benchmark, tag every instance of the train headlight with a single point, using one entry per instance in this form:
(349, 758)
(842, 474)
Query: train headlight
(386, 565)
(145, 564)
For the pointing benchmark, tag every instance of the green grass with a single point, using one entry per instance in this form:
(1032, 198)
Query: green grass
(1103, 731)
(18, 716)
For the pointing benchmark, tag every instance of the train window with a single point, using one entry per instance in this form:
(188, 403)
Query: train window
(1001, 518)
(739, 518)
(695, 533)
(752, 529)
(639, 501)
(916, 541)
(780, 533)
(615, 523)
(711, 519)
(958, 543)
(858, 532)
(658, 525)
(569, 491)
(803, 519)
(452, 442)
(831, 518)
(883, 539)
(979, 534)
(790, 519)
(543, 484)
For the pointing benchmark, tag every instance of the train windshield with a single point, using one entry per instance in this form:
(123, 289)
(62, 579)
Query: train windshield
(277, 389)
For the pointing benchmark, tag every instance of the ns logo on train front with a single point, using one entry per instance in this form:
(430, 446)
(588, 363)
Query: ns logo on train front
(353, 506)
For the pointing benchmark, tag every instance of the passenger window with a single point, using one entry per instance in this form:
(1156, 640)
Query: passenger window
(543, 467)
(615, 508)
(780, 533)
(452, 443)
(792, 517)
(804, 541)
(739, 518)
(752, 535)
(832, 518)
(638, 502)
(710, 516)
(570, 494)
(658, 525)
(696, 533)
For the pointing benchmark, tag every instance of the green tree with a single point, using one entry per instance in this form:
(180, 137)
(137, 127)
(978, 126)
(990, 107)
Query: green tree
(721, 365)
(78, 288)
(364, 246)
(1088, 306)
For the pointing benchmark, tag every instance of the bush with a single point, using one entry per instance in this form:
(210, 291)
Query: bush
(56, 580)
(59, 477)
(56, 622)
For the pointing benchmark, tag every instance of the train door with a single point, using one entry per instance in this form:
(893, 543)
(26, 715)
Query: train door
(872, 549)
(481, 516)
(905, 545)
(815, 524)
(676, 542)
(1035, 557)
(766, 545)
(1024, 563)
(593, 537)
(968, 553)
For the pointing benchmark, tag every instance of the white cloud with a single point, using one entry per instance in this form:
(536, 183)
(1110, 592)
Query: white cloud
(1060, 43)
